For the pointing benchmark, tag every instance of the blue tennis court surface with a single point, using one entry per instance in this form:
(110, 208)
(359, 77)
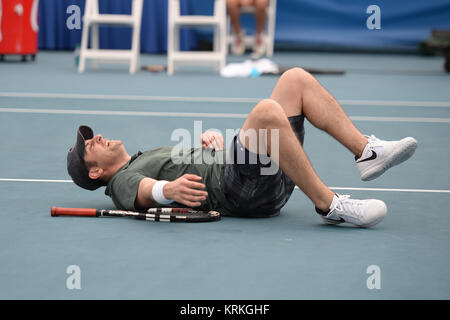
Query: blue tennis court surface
(292, 256)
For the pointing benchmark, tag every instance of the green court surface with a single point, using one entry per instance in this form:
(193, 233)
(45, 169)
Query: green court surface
(292, 256)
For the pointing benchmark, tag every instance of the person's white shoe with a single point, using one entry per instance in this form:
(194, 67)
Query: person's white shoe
(380, 155)
(362, 213)
(259, 47)
(238, 45)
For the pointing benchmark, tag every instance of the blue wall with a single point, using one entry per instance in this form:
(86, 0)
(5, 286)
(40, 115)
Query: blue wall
(54, 34)
(343, 22)
(339, 23)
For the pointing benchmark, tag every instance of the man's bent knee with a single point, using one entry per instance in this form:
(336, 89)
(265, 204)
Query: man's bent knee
(268, 113)
(297, 75)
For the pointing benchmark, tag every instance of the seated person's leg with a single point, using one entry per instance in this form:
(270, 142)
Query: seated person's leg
(259, 47)
(238, 46)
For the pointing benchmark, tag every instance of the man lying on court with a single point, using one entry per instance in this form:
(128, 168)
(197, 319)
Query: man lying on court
(235, 188)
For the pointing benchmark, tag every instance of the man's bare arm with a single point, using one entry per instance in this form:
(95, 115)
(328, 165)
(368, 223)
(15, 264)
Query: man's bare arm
(186, 190)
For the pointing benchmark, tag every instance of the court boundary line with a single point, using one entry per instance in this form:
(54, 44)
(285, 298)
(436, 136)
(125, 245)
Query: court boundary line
(204, 115)
(35, 180)
(88, 96)
(334, 188)
(125, 113)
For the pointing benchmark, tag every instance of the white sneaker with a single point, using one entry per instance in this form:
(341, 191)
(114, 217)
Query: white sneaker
(259, 47)
(238, 45)
(380, 155)
(362, 213)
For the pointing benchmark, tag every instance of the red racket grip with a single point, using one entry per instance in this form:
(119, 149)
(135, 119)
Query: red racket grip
(85, 212)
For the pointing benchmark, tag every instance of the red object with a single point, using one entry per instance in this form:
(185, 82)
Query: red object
(86, 212)
(19, 27)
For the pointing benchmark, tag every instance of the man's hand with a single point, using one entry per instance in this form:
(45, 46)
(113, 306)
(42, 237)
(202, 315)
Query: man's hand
(186, 190)
(212, 139)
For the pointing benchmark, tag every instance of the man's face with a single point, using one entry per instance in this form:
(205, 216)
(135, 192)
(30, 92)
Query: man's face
(102, 151)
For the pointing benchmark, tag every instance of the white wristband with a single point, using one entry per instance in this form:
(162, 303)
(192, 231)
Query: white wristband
(157, 192)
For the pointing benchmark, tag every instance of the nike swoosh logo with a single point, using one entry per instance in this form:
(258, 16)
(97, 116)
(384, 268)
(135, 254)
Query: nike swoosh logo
(335, 220)
(373, 156)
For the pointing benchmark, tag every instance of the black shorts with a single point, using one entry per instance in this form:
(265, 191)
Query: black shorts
(248, 192)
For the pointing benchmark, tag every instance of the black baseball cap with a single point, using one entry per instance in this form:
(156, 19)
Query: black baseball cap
(75, 161)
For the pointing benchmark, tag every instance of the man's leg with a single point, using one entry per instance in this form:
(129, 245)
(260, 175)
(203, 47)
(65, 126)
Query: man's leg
(268, 115)
(298, 92)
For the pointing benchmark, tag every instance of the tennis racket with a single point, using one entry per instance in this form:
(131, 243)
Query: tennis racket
(152, 214)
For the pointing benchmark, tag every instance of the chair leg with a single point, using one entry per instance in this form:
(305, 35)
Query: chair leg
(220, 35)
(95, 42)
(270, 49)
(83, 48)
(216, 46)
(271, 28)
(223, 46)
(229, 35)
(135, 48)
(269, 41)
(216, 39)
(173, 10)
(173, 46)
(135, 42)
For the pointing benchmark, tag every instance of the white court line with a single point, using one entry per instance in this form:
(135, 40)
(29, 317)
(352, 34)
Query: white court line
(400, 119)
(203, 115)
(35, 180)
(127, 113)
(391, 190)
(396, 103)
(126, 97)
(334, 188)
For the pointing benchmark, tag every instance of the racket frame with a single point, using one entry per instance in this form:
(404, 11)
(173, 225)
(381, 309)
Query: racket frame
(152, 214)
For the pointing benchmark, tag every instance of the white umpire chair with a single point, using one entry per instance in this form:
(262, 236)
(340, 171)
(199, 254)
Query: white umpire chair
(268, 31)
(92, 19)
(217, 21)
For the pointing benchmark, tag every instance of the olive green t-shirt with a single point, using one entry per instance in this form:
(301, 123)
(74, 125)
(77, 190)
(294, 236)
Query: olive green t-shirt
(168, 163)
